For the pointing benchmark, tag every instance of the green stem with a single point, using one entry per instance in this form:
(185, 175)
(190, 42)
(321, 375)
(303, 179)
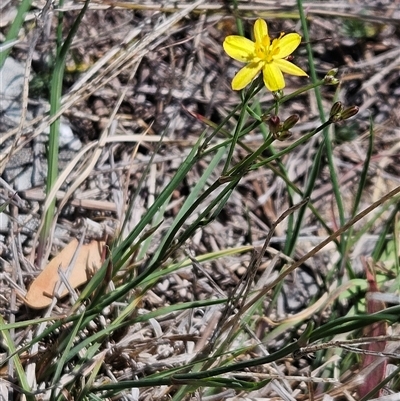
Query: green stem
(55, 104)
(16, 25)
(328, 145)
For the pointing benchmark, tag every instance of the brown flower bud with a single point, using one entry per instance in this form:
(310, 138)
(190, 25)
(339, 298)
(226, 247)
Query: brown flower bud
(336, 112)
(349, 112)
(290, 122)
(282, 136)
(274, 124)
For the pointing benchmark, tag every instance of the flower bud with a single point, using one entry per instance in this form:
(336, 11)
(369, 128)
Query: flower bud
(336, 112)
(274, 124)
(290, 122)
(278, 94)
(332, 73)
(349, 112)
(265, 117)
(330, 77)
(332, 81)
(282, 136)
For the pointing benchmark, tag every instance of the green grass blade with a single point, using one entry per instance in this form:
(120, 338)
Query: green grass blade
(55, 104)
(328, 144)
(19, 369)
(64, 355)
(364, 172)
(191, 199)
(15, 28)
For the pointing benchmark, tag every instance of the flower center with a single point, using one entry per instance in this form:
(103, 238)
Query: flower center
(266, 51)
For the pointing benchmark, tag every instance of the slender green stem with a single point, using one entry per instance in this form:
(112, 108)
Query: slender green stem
(15, 28)
(55, 103)
(254, 88)
(328, 145)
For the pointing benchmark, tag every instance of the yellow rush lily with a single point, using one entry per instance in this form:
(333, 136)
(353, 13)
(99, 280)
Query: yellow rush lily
(263, 55)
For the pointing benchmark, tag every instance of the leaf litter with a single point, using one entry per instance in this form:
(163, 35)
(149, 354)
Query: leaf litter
(181, 69)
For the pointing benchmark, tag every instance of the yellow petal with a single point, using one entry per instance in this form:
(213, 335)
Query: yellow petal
(239, 48)
(287, 45)
(273, 77)
(261, 32)
(245, 75)
(289, 68)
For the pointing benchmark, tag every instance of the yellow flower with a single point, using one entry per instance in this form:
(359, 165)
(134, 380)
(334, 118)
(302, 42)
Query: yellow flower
(263, 55)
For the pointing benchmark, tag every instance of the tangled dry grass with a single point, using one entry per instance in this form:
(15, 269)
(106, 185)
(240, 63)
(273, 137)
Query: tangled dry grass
(142, 82)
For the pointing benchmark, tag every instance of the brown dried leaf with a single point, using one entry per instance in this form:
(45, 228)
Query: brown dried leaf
(42, 288)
